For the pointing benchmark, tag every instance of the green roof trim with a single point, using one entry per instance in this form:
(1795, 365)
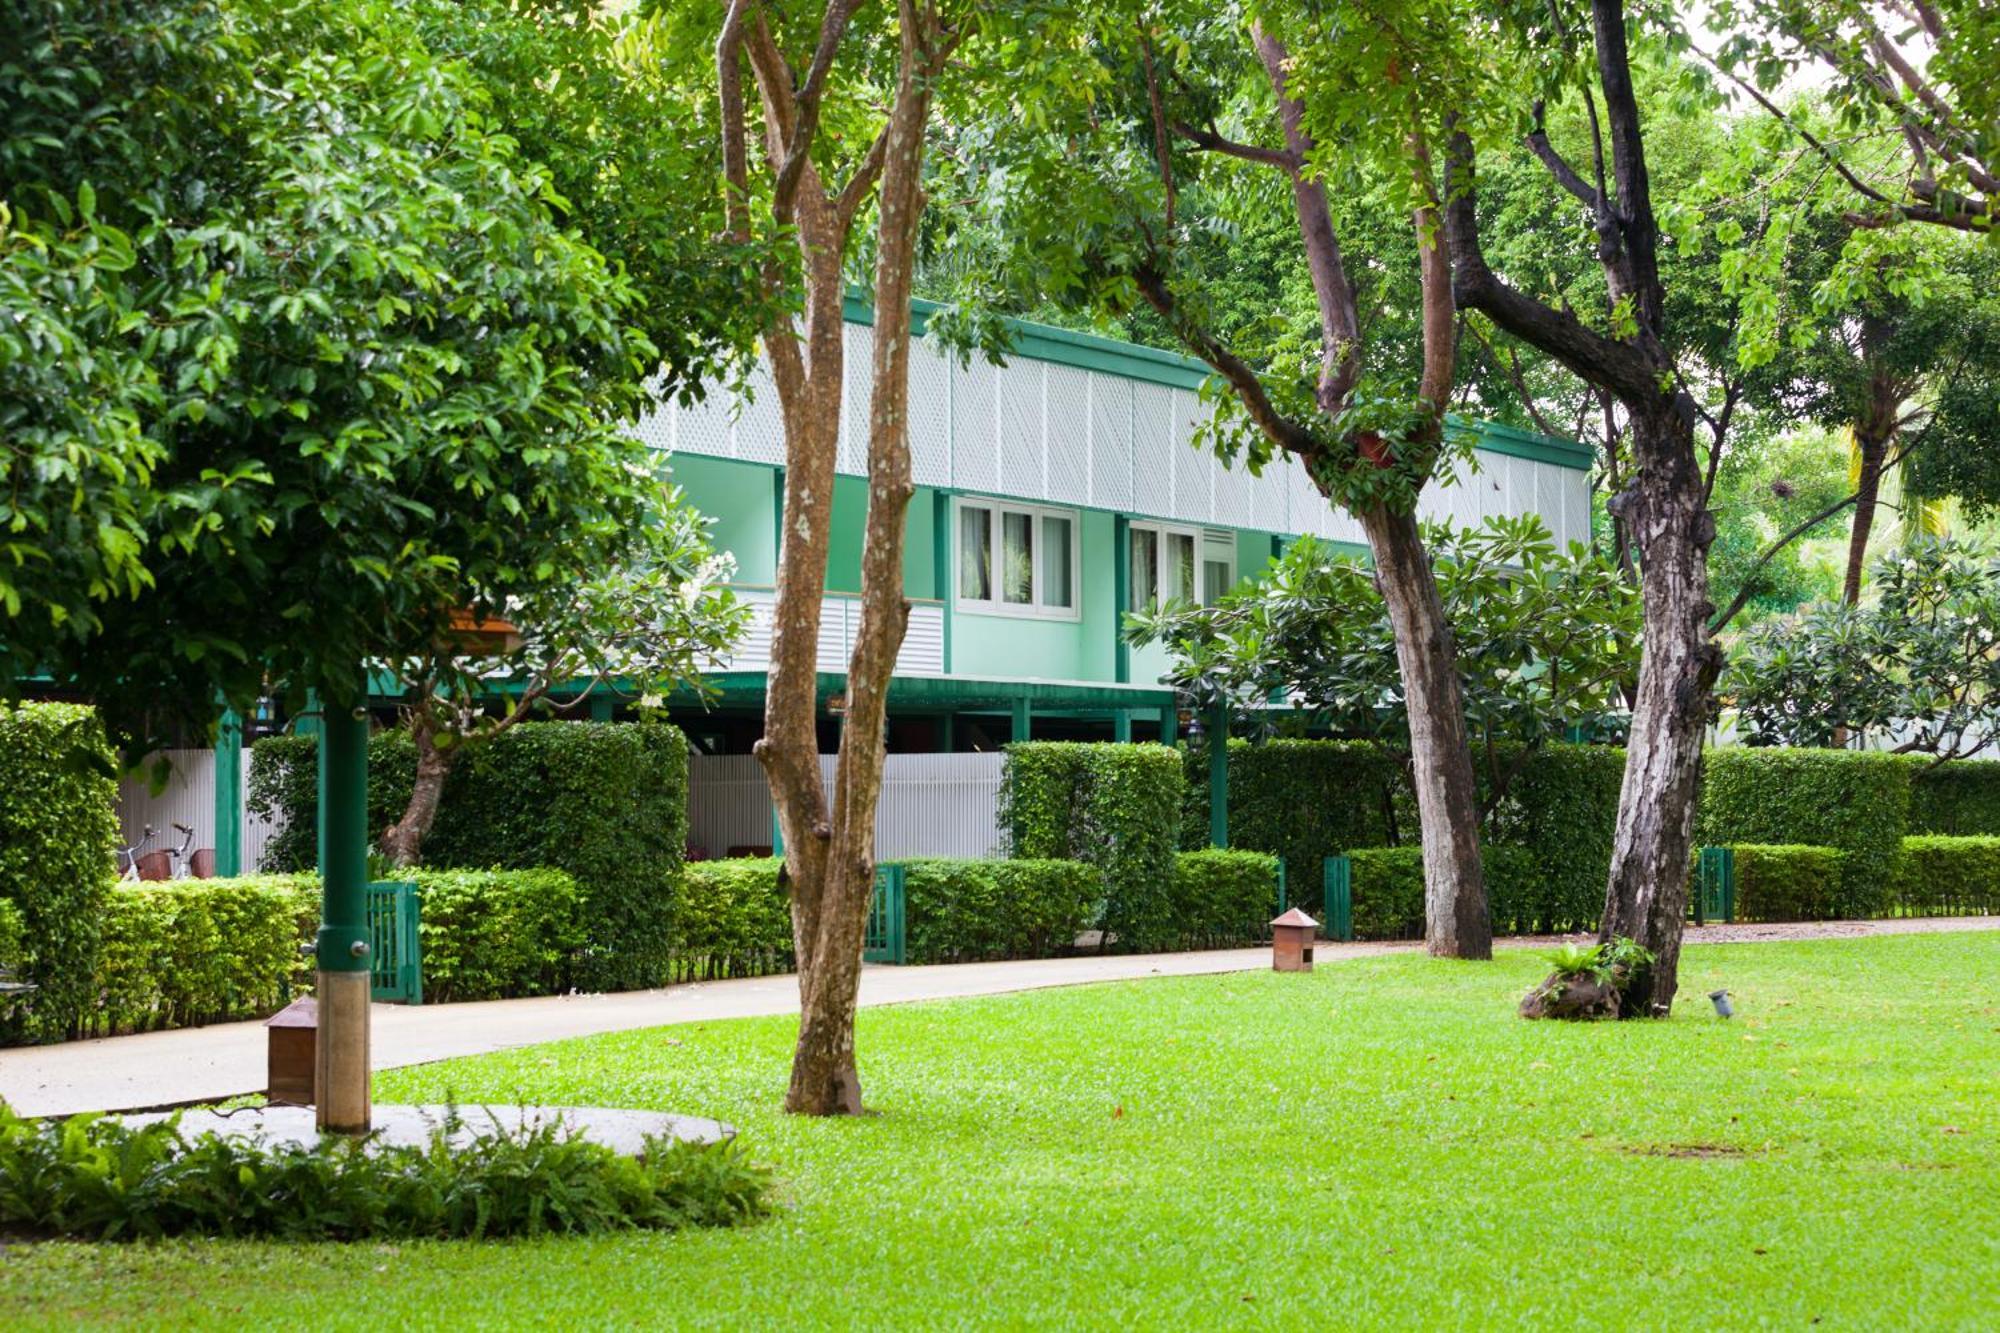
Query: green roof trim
(1089, 351)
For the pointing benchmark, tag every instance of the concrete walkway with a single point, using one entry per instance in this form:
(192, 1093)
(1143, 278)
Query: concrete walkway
(160, 1069)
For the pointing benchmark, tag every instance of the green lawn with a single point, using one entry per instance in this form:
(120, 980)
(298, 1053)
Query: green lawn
(1381, 1143)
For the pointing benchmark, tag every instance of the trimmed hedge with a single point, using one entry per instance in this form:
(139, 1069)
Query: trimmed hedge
(1958, 799)
(1776, 882)
(497, 934)
(1562, 809)
(1942, 876)
(58, 847)
(1852, 801)
(13, 935)
(735, 920)
(1303, 800)
(1117, 807)
(186, 952)
(1224, 897)
(1387, 886)
(962, 911)
(604, 801)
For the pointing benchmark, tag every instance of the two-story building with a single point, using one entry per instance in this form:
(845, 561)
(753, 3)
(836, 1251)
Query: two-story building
(1054, 493)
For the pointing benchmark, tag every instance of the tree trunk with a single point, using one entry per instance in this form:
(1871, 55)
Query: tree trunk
(403, 841)
(1456, 921)
(1867, 492)
(1646, 897)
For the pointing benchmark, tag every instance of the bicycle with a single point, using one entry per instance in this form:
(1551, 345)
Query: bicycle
(130, 855)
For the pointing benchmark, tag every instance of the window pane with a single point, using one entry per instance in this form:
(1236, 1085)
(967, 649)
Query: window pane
(975, 554)
(1017, 572)
(1145, 568)
(1180, 566)
(1215, 581)
(1055, 562)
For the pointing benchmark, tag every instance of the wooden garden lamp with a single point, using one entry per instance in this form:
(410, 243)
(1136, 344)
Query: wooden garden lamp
(1292, 942)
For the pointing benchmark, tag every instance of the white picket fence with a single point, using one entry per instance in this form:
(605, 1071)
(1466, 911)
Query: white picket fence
(187, 798)
(932, 804)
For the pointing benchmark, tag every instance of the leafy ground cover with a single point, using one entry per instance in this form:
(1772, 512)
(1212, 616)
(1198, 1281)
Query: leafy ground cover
(1380, 1143)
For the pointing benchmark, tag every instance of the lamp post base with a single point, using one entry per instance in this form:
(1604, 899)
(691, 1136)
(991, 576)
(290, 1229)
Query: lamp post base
(341, 1073)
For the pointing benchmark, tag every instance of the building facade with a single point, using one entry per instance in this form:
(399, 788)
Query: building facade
(1054, 493)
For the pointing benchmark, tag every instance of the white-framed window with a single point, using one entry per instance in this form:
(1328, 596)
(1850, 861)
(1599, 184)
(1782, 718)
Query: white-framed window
(1016, 559)
(1172, 563)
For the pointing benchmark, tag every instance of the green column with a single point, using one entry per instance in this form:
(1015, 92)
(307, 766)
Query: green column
(941, 565)
(1022, 720)
(343, 837)
(1121, 725)
(947, 733)
(1170, 723)
(229, 795)
(601, 704)
(1121, 596)
(1218, 776)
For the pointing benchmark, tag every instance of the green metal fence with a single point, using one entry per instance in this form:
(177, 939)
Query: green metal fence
(1338, 908)
(1715, 885)
(885, 941)
(395, 954)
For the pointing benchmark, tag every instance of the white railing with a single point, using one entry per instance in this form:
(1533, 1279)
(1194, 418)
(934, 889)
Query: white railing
(922, 653)
(932, 804)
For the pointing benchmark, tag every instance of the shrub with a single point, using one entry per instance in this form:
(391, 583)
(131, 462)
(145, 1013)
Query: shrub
(1224, 897)
(102, 1180)
(1941, 876)
(958, 911)
(496, 934)
(13, 936)
(58, 844)
(1387, 887)
(185, 952)
(1849, 800)
(1116, 807)
(1562, 808)
(734, 920)
(1787, 883)
(1960, 799)
(606, 802)
(1303, 800)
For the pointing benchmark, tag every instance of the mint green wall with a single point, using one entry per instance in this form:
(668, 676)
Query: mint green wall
(1026, 647)
(741, 498)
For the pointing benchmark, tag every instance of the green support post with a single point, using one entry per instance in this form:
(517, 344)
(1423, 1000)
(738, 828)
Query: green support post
(1170, 724)
(1218, 776)
(947, 733)
(1023, 720)
(601, 704)
(229, 795)
(1121, 726)
(941, 566)
(341, 1095)
(1121, 597)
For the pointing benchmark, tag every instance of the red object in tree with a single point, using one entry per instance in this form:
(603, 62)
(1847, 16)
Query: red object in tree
(1374, 448)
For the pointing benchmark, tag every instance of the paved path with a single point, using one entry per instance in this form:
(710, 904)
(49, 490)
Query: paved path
(157, 1069)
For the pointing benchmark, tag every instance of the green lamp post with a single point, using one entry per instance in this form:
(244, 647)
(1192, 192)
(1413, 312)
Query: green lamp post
(341, 1073)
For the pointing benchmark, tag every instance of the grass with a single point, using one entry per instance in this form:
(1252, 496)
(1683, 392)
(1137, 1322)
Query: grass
(1378, 1144)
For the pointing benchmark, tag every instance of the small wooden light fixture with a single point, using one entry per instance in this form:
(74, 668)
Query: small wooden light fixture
(469, 633)
(1292, 942)
(293, 1037)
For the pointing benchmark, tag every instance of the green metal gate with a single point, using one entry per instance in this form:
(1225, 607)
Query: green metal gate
(1339, 905)
(1715, 886)
(395, 954)
(885, 941)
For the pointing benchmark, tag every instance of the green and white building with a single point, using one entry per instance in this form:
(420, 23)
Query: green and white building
(1053, 494)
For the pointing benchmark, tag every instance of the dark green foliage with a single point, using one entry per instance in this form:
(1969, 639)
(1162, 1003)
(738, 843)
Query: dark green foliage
(58, 845)
(734, 920)
(13, 936)
(1301, 800)
(606, 802)
(1961, 798)
(496, 934)
(1852, 801)
(961, 911)
(1388, 889)
(1787, 883)
(1940, 876)
(1117, 807)
(100, 1180)
(194, 951)
(1224, 897)
(1562, 808)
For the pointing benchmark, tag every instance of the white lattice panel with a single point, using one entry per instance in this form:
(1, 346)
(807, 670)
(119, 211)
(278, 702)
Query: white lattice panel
(858, 350)
(1110, 442)
(702, 428)
(975, 449)
(655, 427)
(1153, 448)
(1021, 430)
(760, 421)
(1575, 506)
(1193, 500)
(1268, 507)
(930, 415)
(1232, 495)
(1067, 424)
